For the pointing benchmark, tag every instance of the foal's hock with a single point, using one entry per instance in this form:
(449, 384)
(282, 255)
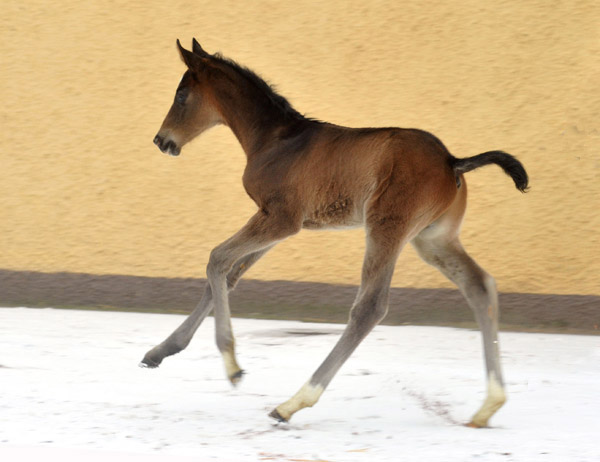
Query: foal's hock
(402, 185)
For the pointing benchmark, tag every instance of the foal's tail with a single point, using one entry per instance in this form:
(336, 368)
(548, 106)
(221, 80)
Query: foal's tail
(511, 166)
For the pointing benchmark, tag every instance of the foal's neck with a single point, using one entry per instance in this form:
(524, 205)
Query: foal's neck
(254, 112)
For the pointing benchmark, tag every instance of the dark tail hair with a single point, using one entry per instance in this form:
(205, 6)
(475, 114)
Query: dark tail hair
(511, 166)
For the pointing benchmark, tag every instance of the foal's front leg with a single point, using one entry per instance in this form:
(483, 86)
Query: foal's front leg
(258, 235)
(182, 336)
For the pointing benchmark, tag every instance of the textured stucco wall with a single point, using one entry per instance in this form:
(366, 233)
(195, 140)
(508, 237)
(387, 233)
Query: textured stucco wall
(85, 86)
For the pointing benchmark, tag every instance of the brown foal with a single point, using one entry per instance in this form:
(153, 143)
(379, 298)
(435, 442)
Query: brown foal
(402, 185)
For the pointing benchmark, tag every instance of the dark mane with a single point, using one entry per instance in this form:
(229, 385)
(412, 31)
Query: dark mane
(274, 99)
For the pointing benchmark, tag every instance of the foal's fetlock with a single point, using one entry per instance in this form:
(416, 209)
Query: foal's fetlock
(496, 397)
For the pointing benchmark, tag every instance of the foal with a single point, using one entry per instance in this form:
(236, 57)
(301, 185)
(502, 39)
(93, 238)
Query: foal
(402, 185)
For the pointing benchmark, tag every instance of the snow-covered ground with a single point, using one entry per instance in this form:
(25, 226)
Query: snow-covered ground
(70, 390)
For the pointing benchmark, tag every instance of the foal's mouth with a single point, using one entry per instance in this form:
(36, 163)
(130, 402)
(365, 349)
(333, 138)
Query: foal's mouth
(165, 146)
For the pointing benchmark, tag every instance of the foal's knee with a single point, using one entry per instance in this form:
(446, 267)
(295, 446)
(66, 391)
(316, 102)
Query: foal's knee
(217, 264)
(234, 275)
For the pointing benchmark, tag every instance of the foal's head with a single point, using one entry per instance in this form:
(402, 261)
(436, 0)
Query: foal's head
(193, 110)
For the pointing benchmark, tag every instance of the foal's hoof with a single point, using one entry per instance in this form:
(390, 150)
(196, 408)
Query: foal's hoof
(149, 363)
(274, 414)
(472, 424)
(236, 378)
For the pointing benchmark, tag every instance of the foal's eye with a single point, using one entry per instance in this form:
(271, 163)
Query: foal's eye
(181, 96)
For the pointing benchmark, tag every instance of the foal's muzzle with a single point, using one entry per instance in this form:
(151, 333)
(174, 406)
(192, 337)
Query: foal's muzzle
(167, 146)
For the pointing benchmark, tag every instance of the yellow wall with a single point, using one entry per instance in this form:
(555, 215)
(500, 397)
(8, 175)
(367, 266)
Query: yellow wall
(85, 85)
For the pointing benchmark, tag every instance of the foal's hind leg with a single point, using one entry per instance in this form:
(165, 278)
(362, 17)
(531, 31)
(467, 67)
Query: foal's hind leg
(182, 336)
(370, 307)
(447, 254)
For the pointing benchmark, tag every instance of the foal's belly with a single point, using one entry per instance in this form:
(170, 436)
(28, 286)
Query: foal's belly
(339, 214)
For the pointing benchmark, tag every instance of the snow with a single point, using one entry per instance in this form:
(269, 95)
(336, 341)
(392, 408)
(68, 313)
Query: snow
(70, 390)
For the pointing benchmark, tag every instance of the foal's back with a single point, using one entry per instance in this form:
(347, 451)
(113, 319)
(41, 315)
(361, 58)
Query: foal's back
(336, 176)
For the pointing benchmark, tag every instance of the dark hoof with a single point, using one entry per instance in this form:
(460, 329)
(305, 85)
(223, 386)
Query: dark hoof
(277, 416)
(237, 377)
(149, 363)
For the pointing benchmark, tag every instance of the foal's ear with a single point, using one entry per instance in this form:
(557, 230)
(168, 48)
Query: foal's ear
(198, 50)
(190, 59)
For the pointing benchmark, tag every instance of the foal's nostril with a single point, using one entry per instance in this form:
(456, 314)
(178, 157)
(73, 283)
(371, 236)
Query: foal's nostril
(168, 146)
(171, 148)
(160, 142)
